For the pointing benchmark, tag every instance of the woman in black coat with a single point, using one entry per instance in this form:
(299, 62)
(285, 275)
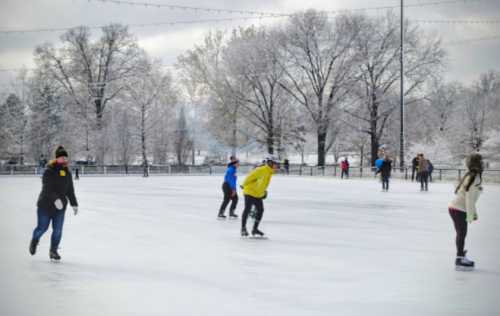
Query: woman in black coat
(57, 188)
(385, 171)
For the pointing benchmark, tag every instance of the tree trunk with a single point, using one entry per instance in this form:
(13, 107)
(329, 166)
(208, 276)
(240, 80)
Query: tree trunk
(373, 129)
(321, 148)
(234, 136)
(143, 143)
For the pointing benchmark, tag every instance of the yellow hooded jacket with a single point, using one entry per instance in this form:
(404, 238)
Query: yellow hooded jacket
(257, 180)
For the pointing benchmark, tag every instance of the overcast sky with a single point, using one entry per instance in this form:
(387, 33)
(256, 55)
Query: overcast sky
(465, 61)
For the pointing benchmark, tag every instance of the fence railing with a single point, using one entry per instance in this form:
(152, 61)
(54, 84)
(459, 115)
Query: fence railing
(439, 174)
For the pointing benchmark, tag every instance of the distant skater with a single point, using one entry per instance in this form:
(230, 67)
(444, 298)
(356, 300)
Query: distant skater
(344, 166)
(255, 191)
(423, 173)
(385, 172)
(414, 167)
(57, 188)
(462, 208)
(229, 190)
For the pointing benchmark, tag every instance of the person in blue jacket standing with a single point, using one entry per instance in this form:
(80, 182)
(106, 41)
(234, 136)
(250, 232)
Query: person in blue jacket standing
(229, 190)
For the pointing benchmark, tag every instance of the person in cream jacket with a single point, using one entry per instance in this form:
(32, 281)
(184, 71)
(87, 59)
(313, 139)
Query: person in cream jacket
(462, 208)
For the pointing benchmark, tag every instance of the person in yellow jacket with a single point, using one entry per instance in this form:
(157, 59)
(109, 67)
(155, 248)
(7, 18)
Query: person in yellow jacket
(255, 191)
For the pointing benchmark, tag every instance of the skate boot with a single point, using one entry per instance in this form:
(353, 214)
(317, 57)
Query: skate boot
(54, 255)
(33, 245)
(244, 232)
(257, 233)
(233, 216)
(462, 263)
(221, 216)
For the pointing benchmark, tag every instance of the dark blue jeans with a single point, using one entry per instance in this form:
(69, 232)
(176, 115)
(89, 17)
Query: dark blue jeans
(44, 219)
(385, 182)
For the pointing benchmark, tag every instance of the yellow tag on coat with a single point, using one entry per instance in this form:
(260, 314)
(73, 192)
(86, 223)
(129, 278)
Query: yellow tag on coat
(62, 173)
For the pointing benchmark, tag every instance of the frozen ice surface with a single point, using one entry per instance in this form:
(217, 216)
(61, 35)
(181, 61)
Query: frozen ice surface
(154, 247)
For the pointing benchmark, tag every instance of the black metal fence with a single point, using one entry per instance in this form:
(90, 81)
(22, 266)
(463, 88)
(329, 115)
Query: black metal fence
(439, 174)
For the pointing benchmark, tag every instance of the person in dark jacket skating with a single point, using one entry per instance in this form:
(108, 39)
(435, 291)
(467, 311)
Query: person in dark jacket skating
(57, 188)
(414, 165)
(385, 172)
(229, 189)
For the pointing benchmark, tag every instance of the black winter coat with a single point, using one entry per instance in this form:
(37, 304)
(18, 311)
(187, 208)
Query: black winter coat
(57, 183)
(385, 168)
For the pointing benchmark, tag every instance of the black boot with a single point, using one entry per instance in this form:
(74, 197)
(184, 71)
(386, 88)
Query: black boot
(33, 245)
(256, 231)
(232, 215)
(244, 232)
(221, 215)
(53, 254)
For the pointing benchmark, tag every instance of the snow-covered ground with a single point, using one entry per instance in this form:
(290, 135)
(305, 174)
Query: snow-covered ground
(153, 247)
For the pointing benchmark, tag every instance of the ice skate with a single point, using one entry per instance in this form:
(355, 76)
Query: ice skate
(221, 217)
(462, 263)
(233, 216)
(54, 255)
(257, 233)
(33, 245)
(244, 232)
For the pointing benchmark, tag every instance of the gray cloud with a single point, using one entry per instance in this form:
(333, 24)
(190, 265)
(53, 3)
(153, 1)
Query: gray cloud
(466, 62)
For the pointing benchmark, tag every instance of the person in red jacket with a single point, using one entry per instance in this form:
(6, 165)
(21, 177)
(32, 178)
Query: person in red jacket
(57, 188)
(344, 166)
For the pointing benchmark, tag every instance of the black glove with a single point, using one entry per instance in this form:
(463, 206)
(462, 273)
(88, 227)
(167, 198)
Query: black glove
(265, 195)
(241, 187)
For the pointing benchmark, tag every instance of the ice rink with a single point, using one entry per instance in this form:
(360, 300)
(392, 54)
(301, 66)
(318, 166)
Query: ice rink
(154, 247)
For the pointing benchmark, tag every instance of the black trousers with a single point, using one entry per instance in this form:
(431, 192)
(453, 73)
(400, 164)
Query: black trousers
(344, 172)
(460, 223)
(424, 180)
(259, 205)
(228, 197)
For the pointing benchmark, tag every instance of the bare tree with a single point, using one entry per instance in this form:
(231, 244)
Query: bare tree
(378, 49)
(92, 72)
(183, 142)
(320, 67)
(145, 92)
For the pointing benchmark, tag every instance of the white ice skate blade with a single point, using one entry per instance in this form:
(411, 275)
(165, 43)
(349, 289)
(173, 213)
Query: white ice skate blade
(221, 218)
(258, 237)
(462, 268)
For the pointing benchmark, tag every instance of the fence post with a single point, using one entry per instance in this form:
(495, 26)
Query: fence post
(169, 169)
(11, 170)
(361, 171)
(324, 167)
(210, 170)
(312, 171)
(83, 170)
(440, 174)
(36, 171)
(105, 170)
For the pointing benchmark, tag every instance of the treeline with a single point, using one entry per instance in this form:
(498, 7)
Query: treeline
(312, 83)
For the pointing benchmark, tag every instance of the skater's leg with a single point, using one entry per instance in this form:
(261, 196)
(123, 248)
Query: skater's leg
(412, 174)
(234, 203)
(259, 205)
(42, 225)
(460, 223)
(425, 176)
(57, 227)
(246, 211)
(227, 196)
